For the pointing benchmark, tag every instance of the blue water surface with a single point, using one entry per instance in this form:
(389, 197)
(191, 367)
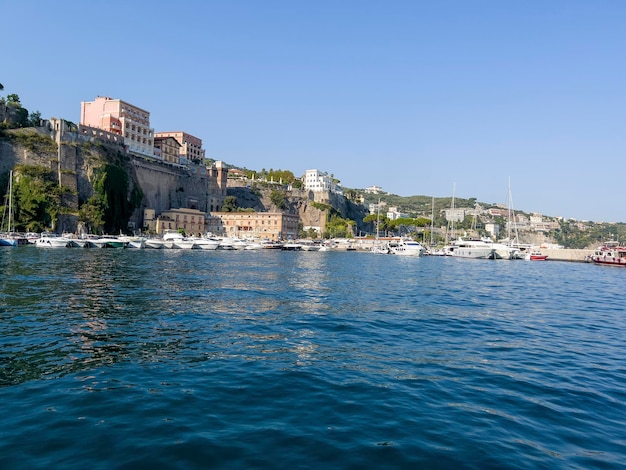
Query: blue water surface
(269, 359)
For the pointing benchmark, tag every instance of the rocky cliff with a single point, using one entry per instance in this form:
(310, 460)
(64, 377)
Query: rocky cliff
(307, 204)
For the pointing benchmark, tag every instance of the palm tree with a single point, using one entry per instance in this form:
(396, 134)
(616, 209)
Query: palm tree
(1, 87)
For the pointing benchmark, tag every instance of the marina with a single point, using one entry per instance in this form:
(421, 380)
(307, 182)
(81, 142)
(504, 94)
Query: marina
(389, 245)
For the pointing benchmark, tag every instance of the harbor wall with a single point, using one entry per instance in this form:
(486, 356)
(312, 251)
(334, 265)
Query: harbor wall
(567, 254)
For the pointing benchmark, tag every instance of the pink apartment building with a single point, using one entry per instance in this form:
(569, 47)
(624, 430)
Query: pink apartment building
(190, 146)
(122, 118)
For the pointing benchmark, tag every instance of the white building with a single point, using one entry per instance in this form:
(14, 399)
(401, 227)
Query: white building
(374, 189)
(394, 214)
(317, 181)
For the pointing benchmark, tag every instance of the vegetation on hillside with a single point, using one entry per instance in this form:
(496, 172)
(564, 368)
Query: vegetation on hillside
(20, 117)
(31, 140)
(36, 198)
(113, 202)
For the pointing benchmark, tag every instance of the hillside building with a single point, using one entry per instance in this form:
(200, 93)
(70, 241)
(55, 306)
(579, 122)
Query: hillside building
(190, 149)
(318, 181)
(122, 118)
(167, 149)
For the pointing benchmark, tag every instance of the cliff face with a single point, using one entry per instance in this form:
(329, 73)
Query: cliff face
(301, 203)
(77, 161)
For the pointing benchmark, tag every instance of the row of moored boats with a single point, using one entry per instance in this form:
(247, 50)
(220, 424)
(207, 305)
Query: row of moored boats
(172, 240)
(459, 248)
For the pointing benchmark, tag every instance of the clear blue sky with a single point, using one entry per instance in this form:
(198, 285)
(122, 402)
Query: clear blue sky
(419, 97)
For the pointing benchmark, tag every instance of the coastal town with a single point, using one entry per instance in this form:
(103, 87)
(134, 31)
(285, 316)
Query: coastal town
(182, 192)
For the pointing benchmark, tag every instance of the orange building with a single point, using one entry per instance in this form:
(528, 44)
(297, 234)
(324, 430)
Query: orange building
(270, 225)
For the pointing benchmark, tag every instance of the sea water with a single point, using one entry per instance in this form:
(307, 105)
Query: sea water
(270, 359)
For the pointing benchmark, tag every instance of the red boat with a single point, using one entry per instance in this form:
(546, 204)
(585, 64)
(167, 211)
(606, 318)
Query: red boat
(536, 256)
(611, 254)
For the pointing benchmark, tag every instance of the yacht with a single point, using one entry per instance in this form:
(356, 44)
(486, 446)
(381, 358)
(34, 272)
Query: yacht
(404, 247)
(477, 249)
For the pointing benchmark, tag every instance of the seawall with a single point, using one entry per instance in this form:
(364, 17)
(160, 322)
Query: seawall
(567, 254)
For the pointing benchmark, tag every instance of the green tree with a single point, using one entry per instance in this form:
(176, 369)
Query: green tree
(112, 185)
(91, 214)
(37, 198)
(34, 119)
(381, 221)
(278, 199)
(230, 204)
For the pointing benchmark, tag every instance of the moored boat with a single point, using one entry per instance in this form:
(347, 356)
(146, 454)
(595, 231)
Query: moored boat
(291, 246)
(206, 243)
(272, 245)
(107, 241)
(177, 240)
(610, 254)
(53, 240)
(535, 256)
(475, 249)
(404, 247)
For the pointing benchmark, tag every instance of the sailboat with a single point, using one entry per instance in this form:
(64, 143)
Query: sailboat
(9, 238)
(378, 247)
(518, 250)
(466, 248)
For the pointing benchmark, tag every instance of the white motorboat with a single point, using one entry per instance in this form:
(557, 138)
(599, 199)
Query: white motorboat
(107, 241)
(134, 241)
(404, 247)
(154, 243)
(291, 246)
(309, 245)
(503, 251)
(206, 243)
(476, 249)
(178, 240)
(254, 245)
(52, 240)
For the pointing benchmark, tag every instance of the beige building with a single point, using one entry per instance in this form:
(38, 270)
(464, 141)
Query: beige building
(190, 146)
(122, 118)
(192, 221)
(270, 225)
(167, 149)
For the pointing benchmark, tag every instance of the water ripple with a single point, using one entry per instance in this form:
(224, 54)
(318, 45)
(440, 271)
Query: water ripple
(179, 359)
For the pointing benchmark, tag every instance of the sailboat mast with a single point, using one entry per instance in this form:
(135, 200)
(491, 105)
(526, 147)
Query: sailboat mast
(511, 217)
(377, 217)
(432, 221)
(10, 201)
